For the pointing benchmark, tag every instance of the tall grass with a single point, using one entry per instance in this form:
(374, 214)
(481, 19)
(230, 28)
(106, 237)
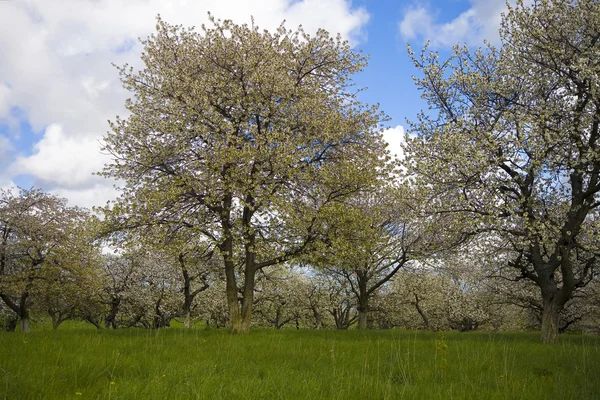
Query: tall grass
(267, 364)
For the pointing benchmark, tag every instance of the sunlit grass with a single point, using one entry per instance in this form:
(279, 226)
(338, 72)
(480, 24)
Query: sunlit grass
(212, 364)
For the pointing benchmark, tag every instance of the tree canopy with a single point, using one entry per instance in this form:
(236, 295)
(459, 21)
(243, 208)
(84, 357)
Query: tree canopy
(42, 246)
(244, 138)
(512, 144)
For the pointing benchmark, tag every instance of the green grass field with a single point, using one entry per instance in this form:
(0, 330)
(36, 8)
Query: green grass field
(268, 364)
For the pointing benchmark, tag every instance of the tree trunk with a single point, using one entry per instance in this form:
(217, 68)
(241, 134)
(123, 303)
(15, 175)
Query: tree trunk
(248, 299)
(12, 323)
(317, 316)
(187, 320)
(249, 265)
(363, 298)
(109, 321)
(24, 312)
(340, 322)
(363, 313)
(25, 321)
(93, 321)
(56, 321)
(235, 318)
(161, 319)
(14, 318)
(20, 310)
(187, 298)
(188, 294)
(421, 312)
(341, 316)
(550, 319)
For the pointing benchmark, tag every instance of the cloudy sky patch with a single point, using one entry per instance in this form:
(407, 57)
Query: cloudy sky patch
(59, 87)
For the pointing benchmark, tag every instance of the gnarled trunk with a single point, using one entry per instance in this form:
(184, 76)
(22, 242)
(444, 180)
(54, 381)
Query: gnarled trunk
(161, 318)
(554, 300)
(109, 321)
(21, 310)
(317, 316)
(341, 316)
(550, 321)
(421, 312)
(188, 294)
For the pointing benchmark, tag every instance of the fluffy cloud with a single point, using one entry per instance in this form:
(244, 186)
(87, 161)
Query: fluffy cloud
(481, 21)
(62, 161)
(61, 53)
(7, 184)
(395, 137)
(6, 148)
(95, 196)
(60, 74)
(4, 98)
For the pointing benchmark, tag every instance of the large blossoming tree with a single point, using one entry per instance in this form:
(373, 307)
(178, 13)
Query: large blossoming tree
(512, 145)
(244, 138)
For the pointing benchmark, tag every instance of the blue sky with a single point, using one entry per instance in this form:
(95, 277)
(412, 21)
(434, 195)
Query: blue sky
(58, 88)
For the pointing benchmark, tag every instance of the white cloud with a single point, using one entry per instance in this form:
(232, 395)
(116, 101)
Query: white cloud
(4, 98)
(62, 161)
(395, 137)
(481, 21)
(56, 67)
(7, 184)
(6, 148)
(95, 196)
(416, 21)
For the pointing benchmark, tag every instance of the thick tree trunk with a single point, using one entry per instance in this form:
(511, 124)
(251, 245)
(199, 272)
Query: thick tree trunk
(363, 298)
(109, 321)
(363, 313)
(249, 265)
(161, 318)
(187, 320)
(25, 321)
(21, 310)
(235, 317)
(550, 321)
(554, 300)
(317, 316)
(248, 299)
(56, 321)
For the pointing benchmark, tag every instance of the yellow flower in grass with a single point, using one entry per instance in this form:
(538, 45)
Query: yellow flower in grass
(78, 393)
(112, 383)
